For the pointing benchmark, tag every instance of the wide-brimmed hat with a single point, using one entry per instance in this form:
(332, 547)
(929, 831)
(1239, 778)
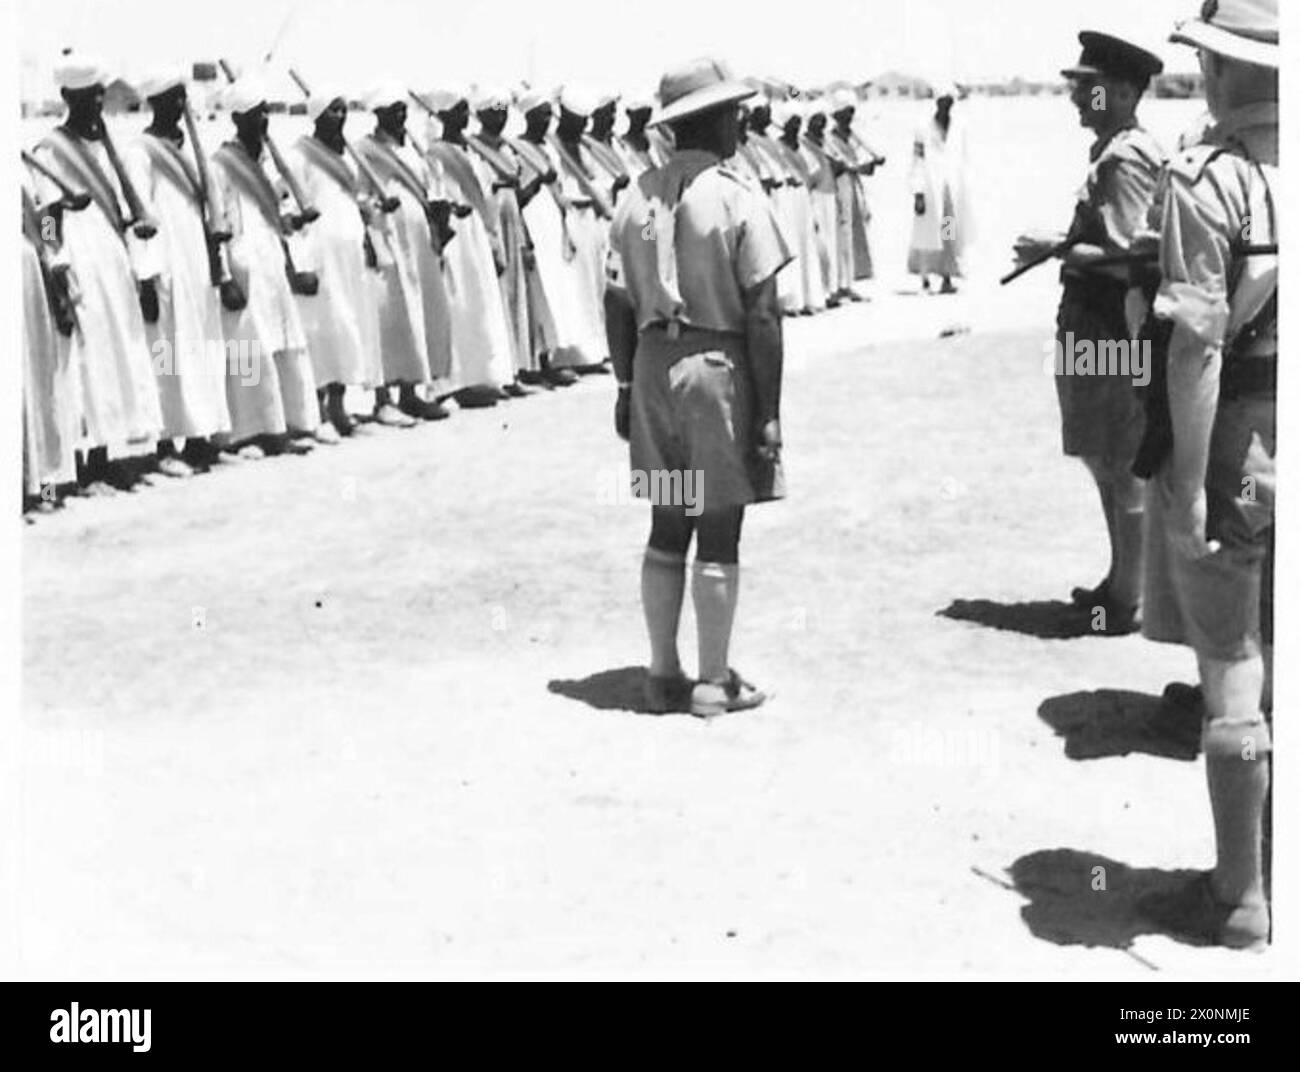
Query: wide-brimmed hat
(1245, 30)
(1105, 54)
(696, 87)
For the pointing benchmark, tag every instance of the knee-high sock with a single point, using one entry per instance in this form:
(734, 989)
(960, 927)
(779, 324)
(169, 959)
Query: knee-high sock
(663, 585)
(715, 587)
(1238, 788)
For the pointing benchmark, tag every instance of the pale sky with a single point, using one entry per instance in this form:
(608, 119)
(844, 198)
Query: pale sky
(596, 42)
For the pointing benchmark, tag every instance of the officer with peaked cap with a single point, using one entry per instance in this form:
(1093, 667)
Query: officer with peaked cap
(1210, 501)
(696, 340)
(1101, 417)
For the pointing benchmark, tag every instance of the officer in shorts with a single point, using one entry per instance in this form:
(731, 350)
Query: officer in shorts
(695, 335)
(1101, 417)
(1210, 502)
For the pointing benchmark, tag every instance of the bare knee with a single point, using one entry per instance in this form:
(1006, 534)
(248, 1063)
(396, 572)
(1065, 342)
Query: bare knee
(718, 535)
(670, 529)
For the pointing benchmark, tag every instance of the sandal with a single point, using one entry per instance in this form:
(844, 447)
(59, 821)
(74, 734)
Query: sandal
(1193, 913)
(710, 698)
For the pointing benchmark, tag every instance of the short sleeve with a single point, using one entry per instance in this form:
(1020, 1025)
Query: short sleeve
(1124, 193)
(1195, 254)
(761, 248)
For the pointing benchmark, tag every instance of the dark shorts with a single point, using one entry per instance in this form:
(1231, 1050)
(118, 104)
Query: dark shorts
(1101, 415)
(1220, 605)
(692, 414)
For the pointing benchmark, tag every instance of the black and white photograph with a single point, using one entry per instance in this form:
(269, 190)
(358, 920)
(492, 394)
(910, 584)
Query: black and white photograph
(583, 491)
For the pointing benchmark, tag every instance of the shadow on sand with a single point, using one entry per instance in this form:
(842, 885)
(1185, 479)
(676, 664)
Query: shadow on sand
(1114, 722)
(1082, 898)
(609, 690)
(1046, 619)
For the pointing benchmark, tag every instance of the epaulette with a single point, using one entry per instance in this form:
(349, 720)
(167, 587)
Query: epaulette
(1141, 146)
(1190, 163)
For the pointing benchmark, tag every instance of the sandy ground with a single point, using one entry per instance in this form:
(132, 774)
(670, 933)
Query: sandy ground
(367, 711)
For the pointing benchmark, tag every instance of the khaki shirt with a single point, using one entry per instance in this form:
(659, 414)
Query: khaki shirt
(1116, 198)
(690, 239)
(1212, 200)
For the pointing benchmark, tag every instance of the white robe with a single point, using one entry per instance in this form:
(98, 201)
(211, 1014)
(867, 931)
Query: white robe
(824, 202)
(119, 399)
(50, 410)
(590, 236)
(941, 235)
(342, 320)
(269, 381)
(480, 339)
(414, 318)
(559, 320)
(514, 281)
(187, 342)
(800, 282)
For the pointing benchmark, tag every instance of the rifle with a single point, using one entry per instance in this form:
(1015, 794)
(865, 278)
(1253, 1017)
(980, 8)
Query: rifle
(144, 226)
(1058, 250)
(1151, 256)
(61, 294)
(215, 228)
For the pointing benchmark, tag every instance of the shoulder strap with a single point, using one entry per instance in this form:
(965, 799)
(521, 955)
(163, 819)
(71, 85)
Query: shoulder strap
(90, 176)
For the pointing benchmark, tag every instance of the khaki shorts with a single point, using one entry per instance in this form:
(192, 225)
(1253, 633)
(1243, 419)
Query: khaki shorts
(691, 413)
(1220, 605)
(1101, 416)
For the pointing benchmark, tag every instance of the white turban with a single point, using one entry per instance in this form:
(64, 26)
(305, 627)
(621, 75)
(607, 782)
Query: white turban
(386, 95)
(319, 101)
(80, 72)
(445, 100)
(528, 98)
(492, 98)
(842, 99)
(159, 81)
(576, 101)
(245, 94)
(603, 100)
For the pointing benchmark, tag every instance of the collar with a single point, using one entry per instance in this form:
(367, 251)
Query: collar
(1099, 146)
(1248, 116)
